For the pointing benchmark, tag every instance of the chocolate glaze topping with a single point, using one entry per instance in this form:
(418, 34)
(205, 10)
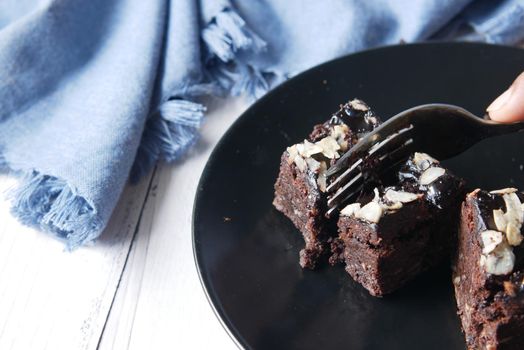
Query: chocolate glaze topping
(486, 202)
(357, 115)
(359, 121)
(439, 192)
(505, 287)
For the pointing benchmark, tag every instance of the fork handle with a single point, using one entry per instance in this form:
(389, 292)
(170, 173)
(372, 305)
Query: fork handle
(495, 129)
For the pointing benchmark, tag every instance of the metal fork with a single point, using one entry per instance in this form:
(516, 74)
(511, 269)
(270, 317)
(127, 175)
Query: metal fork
(441, 130)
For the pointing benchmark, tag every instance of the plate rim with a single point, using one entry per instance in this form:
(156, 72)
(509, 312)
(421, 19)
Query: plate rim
(228, 326)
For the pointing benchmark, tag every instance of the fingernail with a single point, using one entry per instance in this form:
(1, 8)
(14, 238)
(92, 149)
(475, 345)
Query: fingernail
(500, 101)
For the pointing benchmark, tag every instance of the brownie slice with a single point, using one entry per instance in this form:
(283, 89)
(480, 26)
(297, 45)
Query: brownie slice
(489, 270)
(387, 239)
(301, 183)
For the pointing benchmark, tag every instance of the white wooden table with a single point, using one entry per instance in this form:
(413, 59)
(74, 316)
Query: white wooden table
(136, 288)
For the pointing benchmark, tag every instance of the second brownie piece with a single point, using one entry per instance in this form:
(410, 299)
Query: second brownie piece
(402, 230)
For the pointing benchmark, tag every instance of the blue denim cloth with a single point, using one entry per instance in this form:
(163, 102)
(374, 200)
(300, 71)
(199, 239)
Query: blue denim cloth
(92, 92)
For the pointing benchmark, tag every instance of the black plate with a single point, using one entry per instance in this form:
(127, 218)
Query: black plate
(247, 252)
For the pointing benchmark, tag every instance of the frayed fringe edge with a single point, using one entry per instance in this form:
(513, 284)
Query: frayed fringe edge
(227, 34)
(168, 133)
(240, 78)
(52, 205)
(228, 41)
(173, 127)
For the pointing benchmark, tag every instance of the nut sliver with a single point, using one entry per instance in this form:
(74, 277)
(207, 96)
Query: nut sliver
(430, 175)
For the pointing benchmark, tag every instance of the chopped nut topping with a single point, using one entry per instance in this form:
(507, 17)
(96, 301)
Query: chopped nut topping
(350, 209)
(371, 212)
(500, 220)
(376, 198)
(390, 202)
(292, 151)
(322, 178)
(423, 161)
(300, 163)
(339, 133)
(513, 204)
(391, 207)
(295, 157)
(456, 280)
(500, 261)
(329, 147)
(308, 149)
(302, 153)
(312, 164)
(510, 222)
(371, 119)
(497, 255)
(513, 235)
(482, 261)
(430, 175)
(400, 196)
(504, 191)
(490, 240)
(474, 192)
(358, 105)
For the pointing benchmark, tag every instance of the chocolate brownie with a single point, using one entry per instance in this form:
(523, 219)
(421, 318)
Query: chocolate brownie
(301, 183)
(489, 270)
(392, 235)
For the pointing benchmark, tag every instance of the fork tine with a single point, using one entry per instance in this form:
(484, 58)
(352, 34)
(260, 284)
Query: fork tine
(395, 157)
(377, 150)
(403, 151)
(386, 162)
(344, 199)
(341, 179)
(355, 181)
(375, 137)
(394, 139)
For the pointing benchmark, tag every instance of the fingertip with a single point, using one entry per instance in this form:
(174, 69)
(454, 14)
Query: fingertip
(497, 109)
(509, 107)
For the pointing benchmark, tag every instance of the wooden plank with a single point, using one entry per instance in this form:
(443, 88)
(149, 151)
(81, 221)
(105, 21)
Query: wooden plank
(117, 331)
(160, 303)
(54, 299)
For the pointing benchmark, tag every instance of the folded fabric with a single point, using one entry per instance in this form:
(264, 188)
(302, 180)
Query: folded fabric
(93, 91)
